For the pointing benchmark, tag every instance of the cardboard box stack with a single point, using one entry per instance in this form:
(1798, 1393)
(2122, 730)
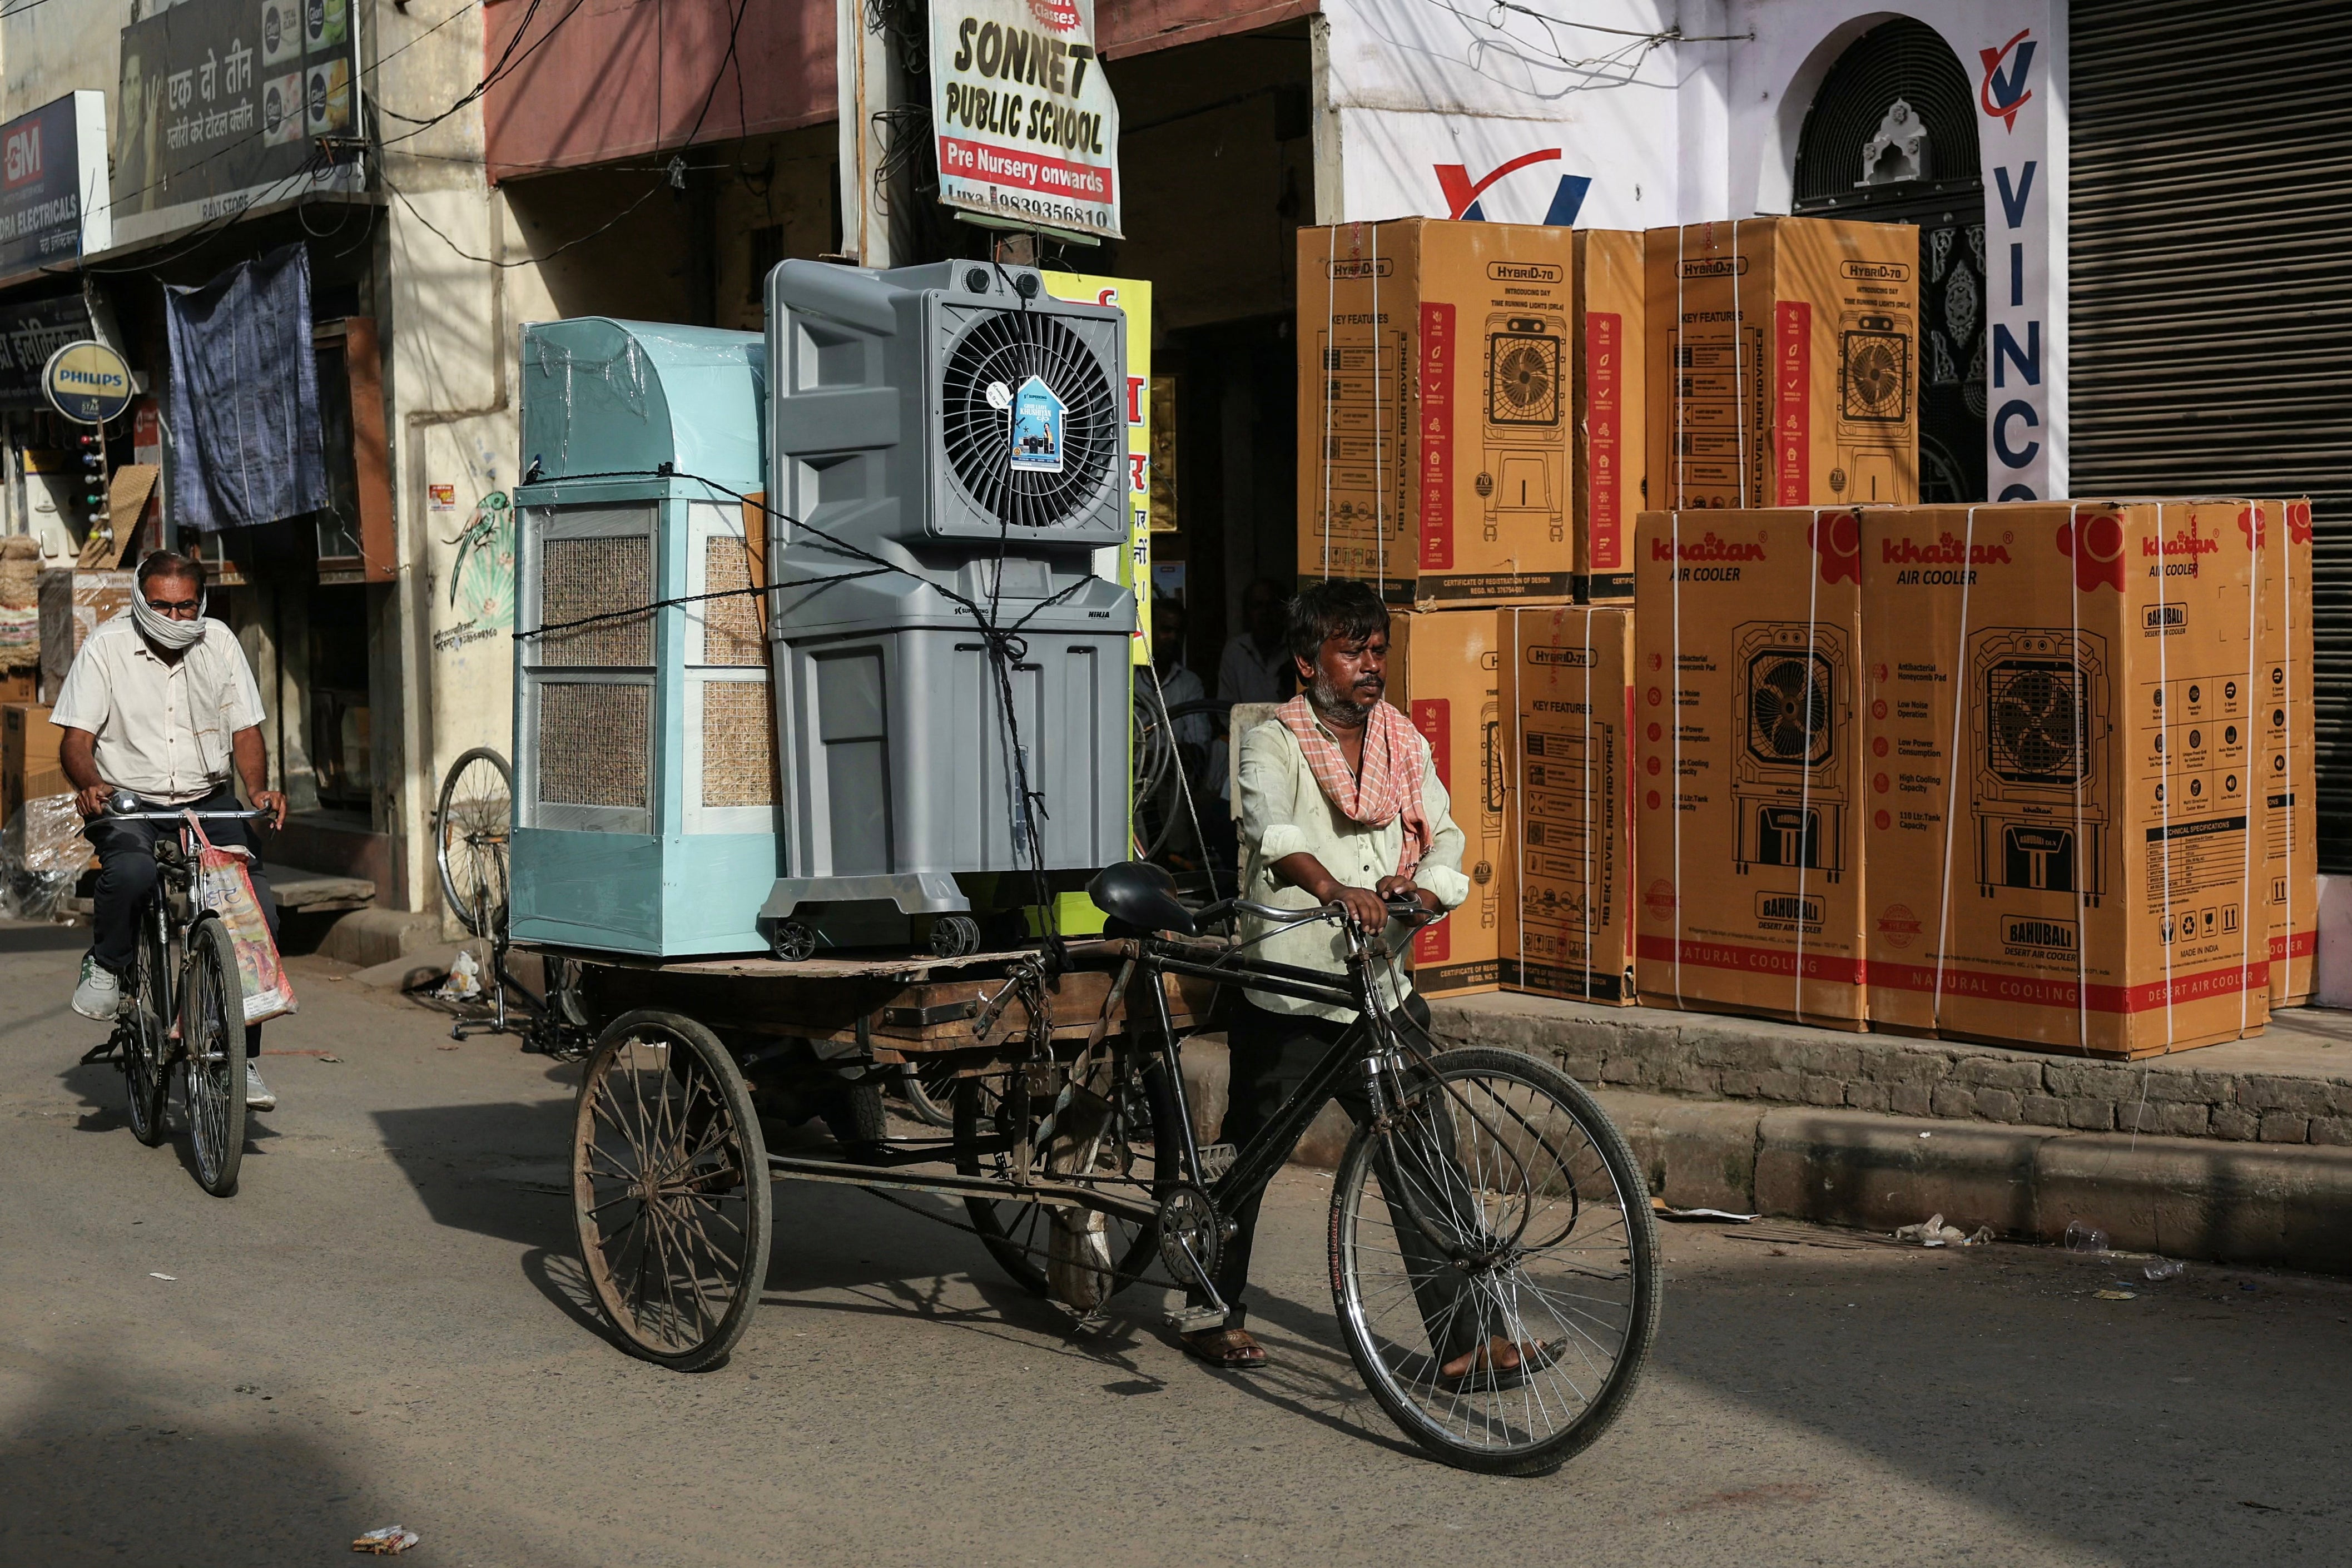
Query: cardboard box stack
(1567, 700)
(1747, 638)
(1469, 408)
(29, 767)
(2066, 828)
(1443, 668)
(2289, 765)
(1783, 363)
(73, 603)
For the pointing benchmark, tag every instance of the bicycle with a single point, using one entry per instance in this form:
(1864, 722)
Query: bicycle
(182, 1014)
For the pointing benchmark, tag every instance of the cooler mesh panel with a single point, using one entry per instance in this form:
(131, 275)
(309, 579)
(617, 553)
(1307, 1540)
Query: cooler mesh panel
(583, 578)
(593, 743)
(732, 632)
(738, 743)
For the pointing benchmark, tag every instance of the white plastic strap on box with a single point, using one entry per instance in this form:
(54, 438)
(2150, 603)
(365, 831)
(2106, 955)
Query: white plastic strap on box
(2291, 700)
(2164, 796)
(1594, 833)
(1519, 777)
(1960, 695)
(2258, 537)
(1739, 423)
(1818, 541)
(1674, 679)
(1330, 369)
(2076, 546)
(1379, 424)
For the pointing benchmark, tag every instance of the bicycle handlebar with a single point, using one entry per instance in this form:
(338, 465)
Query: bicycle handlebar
(239, 816)
(1400, 907)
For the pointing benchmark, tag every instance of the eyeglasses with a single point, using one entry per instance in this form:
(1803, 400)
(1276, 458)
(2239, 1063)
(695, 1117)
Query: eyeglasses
(175, 606)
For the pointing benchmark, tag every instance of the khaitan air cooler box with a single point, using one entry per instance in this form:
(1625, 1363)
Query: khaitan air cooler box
(2064, 810)
(1747, 638)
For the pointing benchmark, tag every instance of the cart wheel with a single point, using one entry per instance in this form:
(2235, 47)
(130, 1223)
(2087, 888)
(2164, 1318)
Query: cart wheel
(670, 1190)
(954, 936)
(790, 941)
(1044, 1249)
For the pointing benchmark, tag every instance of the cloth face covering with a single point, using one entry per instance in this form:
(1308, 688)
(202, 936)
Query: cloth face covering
(1395, 755)
(173, 636)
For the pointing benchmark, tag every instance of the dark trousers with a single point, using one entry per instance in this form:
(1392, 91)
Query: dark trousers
(126, 875)
(1272, 1054)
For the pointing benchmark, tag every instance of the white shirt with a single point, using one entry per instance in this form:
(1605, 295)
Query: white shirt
(1246, 675)
(1284, 810)
(163, 729)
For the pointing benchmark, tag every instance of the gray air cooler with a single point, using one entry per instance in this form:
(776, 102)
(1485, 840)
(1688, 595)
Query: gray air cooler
(936, 435)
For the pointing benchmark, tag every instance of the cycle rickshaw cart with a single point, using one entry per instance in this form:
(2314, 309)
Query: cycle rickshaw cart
(1485, 1200)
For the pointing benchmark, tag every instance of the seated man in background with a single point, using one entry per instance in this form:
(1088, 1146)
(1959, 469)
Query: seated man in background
(159, 702)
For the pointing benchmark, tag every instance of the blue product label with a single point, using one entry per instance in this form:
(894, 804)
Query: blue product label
(1037, 416)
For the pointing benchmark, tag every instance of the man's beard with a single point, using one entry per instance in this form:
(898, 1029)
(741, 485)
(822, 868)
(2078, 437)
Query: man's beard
(1345, 709)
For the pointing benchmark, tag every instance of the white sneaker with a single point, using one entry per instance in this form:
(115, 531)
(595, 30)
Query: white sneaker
(257, 1096)
(98, 994)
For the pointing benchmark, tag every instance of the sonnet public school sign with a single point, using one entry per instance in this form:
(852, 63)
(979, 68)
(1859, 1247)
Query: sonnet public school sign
(1026, 129)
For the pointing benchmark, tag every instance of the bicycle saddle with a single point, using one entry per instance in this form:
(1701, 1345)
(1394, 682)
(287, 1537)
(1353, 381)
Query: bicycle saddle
(1141, 898)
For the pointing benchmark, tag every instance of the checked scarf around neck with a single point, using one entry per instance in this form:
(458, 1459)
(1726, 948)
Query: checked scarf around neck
(1395, 754)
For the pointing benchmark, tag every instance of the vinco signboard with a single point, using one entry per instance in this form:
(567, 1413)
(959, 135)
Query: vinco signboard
(1028, 130)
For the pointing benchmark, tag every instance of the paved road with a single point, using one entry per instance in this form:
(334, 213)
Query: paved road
(385, 1325)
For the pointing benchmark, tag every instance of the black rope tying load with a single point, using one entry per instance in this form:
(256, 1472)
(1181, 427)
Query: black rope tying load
(1005, 647)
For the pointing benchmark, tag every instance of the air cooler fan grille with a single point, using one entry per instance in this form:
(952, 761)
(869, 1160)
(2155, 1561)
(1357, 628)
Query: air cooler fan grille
(1877, 375)
(1000, 355)
(1525, 381)
(1789, 711)
(2037, 722)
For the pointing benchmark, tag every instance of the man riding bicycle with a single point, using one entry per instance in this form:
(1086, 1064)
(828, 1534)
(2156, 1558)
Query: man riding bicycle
(1341, 804)
(159, 702)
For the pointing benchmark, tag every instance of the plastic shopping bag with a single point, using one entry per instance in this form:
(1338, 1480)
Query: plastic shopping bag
(224, 887)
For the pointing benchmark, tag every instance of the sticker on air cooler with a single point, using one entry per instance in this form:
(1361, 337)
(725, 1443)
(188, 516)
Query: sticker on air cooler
(1037, 416)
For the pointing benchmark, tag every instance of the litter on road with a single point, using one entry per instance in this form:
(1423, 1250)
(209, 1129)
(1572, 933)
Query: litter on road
(1933, 1232)
(389, 1541)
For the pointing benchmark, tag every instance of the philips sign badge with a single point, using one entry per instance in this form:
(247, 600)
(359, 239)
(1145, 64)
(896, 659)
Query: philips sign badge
(87, 383)
(1037, 416)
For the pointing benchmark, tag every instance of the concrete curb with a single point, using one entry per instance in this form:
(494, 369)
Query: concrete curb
(2182, 1197)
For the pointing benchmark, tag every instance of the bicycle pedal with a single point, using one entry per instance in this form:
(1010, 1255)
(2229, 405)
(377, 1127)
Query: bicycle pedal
(1196, 1320)
(1216, 1159)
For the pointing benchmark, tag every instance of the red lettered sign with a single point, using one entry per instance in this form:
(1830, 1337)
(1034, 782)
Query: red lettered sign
(1435, 477)
(1792, 365)
(1433, 717)
(1604, 341)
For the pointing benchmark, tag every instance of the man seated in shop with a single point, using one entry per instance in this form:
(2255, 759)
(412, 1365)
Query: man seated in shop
(1341, 804)
(159, 702)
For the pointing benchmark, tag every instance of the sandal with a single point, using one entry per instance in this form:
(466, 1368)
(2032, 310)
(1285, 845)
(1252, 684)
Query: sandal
(1231, 1350)
(1484, 1376)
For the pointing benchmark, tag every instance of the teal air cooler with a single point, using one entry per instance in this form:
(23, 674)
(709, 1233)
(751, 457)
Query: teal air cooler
(645, 792)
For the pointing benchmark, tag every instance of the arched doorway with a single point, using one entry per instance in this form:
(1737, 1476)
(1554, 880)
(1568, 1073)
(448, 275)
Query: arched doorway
(1891, 137)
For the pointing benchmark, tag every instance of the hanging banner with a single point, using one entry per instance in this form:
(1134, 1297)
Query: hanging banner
(222, 106)
(1132, 296)
(53, 184)
(1026, 129)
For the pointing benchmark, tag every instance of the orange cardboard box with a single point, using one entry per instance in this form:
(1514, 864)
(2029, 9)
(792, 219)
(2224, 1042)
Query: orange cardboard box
(1747, 630)
(1444, 670)
(1612, 453)
(1434, 383)
(1783, 358)
(2289, 759)
(29, 767)
(2065, 825)
(74, 603)
(1568, 697)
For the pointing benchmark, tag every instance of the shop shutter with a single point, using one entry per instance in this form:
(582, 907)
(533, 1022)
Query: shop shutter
(2210, 298)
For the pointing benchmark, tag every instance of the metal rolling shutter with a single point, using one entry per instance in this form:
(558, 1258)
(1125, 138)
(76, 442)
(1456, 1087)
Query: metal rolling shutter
(2210, 301)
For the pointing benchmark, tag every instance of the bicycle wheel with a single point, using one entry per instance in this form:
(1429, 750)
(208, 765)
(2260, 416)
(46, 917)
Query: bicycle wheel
(212, 1060)
(670, 1190)
(470, 829)
(1499, 1208)
(146, 1038)
(1078, 1257)
(934, 1104)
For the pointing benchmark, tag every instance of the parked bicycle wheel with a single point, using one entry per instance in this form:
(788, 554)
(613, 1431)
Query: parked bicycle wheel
(471, 826)
(145, 1030)
(1079, 1257)
(212, 1060)
(1499, 1217)
(670, 1190)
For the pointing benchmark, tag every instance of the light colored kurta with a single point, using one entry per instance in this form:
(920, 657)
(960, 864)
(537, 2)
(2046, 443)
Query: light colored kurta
(1285, 811)
(163, 729)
